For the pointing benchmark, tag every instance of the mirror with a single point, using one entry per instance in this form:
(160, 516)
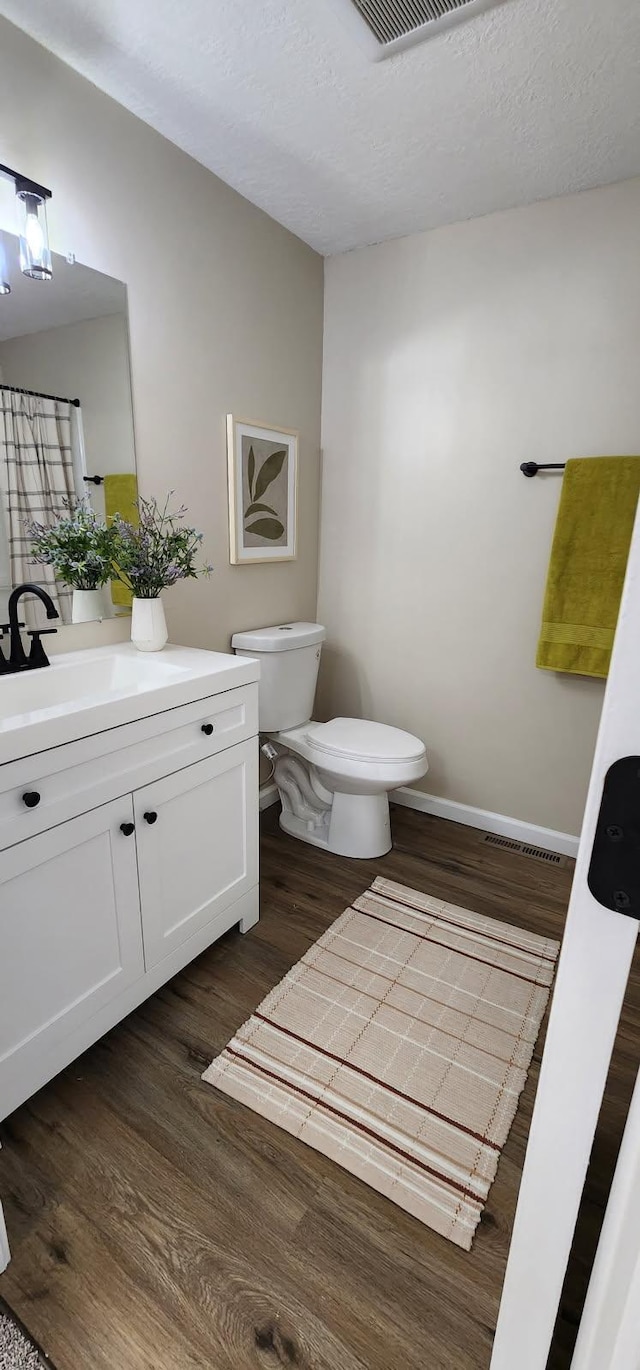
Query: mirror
(66, 421)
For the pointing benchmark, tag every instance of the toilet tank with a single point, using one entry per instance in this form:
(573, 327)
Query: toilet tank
(289, 657)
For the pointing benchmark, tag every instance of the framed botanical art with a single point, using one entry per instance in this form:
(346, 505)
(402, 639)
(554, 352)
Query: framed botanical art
(263, 474)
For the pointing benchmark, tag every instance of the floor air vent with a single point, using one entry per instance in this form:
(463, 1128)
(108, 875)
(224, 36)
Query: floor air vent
(550, 858)
(385, 26)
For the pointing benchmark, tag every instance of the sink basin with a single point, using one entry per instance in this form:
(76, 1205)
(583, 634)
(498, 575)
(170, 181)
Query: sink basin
(86, 692)
(80, 682)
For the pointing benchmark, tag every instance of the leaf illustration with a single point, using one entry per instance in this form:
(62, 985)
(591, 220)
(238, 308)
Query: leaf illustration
(251, 470)
(267, 528)
(268, 472)
(259, 509)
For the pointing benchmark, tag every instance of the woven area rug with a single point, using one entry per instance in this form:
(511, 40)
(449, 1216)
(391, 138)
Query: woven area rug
(399, 1046)
(17, 1350)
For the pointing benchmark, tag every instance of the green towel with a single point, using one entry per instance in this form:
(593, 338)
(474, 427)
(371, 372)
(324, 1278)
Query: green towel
(588, 563)
(120, 495)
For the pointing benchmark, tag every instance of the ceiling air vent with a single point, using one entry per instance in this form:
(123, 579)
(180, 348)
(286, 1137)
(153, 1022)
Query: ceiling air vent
(385, 26)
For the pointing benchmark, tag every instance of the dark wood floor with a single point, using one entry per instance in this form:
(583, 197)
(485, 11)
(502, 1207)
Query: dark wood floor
(158, 1225)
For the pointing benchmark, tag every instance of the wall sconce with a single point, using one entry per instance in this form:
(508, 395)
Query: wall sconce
(35, 254)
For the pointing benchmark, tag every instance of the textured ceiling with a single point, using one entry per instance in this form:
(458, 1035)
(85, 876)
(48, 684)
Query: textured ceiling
(529, 100)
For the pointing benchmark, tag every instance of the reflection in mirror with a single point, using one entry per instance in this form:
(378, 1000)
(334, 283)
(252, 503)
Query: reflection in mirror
(66, 423)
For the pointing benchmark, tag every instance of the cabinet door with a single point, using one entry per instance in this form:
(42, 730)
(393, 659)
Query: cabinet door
(197, 839)
(70, 935)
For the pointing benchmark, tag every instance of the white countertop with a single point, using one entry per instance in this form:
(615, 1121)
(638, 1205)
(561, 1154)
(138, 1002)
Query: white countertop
(81, 693)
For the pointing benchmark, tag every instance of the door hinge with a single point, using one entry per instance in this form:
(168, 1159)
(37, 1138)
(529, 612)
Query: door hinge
(614, 870)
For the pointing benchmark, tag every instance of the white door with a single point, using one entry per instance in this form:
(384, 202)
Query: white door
(197, 836)
(592, 975)
(69, 934)
(5, 1254)
(609, 1336)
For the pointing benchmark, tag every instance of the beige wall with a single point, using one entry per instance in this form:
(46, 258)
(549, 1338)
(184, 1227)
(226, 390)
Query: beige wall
(225, 314)
(450, 357)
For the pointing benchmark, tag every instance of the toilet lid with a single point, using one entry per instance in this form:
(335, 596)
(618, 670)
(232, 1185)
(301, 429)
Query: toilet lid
(364, 741)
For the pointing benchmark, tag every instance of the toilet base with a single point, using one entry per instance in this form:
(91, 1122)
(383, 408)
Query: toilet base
(359, 826)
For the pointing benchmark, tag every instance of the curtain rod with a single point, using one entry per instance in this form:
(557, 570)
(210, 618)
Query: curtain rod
(531, 468)
(38, 394)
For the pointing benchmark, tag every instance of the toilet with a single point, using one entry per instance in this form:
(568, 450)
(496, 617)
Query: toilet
(333, 778)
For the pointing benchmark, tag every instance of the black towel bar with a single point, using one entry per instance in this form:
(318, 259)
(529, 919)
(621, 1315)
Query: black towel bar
(531, 468)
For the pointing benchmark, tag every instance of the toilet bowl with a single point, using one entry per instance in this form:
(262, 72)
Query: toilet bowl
(352, 766)
(333, 778)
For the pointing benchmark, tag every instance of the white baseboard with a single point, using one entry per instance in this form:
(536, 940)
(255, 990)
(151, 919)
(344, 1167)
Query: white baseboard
(515, 828)
(268, 794)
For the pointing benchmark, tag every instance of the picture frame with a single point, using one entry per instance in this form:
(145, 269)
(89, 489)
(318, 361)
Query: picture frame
(263, 479)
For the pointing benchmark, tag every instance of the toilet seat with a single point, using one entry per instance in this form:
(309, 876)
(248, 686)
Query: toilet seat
(358, 739)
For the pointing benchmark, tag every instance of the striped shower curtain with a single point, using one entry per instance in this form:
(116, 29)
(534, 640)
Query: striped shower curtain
(38, 479)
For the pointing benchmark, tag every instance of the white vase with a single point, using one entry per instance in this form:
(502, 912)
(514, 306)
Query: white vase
(148, 624)
(87, 606)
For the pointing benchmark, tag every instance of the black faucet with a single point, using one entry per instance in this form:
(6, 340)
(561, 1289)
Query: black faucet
(18, 660)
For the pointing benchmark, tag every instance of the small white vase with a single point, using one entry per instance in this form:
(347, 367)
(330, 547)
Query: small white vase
(87, 606)
(148, 624)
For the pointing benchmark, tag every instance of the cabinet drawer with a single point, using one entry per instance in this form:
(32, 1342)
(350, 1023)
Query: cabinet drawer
(41, 791)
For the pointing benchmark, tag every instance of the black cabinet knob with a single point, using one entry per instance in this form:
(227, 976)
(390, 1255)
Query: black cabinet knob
(207, 729)
(127, 828)
(31, 798)
(150, 816)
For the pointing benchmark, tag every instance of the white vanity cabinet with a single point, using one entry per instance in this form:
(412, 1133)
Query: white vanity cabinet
(71, 933)
(123, 855)
(179, 822)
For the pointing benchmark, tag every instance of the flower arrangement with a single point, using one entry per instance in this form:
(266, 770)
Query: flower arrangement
(158, 551)
(79, 547)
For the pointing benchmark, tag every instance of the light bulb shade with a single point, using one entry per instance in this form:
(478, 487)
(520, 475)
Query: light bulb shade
(35, 256)
(5, 288)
